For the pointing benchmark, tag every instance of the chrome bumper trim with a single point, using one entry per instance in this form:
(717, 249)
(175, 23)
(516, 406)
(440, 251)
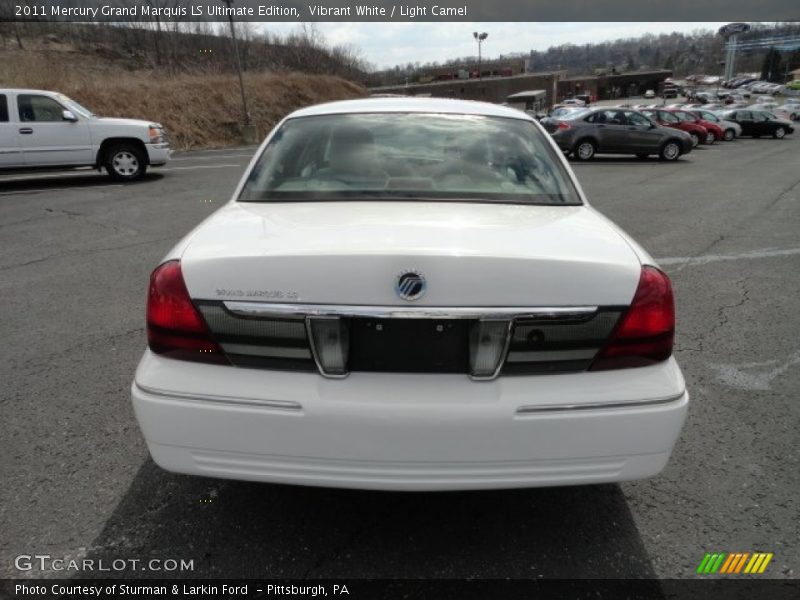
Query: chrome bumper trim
(279, 404)
(546, 408)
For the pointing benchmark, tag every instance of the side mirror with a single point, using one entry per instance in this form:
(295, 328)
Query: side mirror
(68, 115)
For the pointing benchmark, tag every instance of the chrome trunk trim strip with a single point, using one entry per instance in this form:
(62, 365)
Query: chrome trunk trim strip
(267, 309)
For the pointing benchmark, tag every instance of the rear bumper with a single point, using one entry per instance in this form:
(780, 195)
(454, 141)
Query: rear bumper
(564, 142)
(409, 432)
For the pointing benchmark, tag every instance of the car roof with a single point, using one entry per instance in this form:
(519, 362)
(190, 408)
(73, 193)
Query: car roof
(25, 91)
(412, 105)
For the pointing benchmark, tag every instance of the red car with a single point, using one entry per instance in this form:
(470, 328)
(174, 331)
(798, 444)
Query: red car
(668, 118)
(715, 132)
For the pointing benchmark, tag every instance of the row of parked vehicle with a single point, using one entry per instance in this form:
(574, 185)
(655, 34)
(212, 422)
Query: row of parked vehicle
(668, 132)
(755, 86)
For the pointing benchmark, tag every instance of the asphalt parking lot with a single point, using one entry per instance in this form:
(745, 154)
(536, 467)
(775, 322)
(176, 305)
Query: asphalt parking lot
(77, 481)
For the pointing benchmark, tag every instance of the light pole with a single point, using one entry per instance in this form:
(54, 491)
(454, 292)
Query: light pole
(238, 64)
(479, 37)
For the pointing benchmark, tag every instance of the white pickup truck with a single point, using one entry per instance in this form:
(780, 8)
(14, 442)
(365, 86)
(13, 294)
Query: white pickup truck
(47, 130)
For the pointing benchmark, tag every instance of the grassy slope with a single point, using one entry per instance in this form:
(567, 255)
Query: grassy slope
(199, 111)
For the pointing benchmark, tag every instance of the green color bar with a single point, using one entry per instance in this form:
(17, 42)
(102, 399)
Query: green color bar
(718, 564)
(702, 566)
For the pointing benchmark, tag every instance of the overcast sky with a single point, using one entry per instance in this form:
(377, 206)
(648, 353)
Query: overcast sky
(388, 44)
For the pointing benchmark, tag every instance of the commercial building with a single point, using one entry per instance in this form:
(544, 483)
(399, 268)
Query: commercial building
(557, 86)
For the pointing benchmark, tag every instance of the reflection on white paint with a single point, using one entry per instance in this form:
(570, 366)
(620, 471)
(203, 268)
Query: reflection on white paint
(686, 261)
(754, 376)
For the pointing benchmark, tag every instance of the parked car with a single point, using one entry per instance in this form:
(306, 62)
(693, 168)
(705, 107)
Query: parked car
(705, 97)
(756, 123)
(573, 102)
(325, 326)
(615, 131)
(789, 110)
(713, 131)
(560, 111)
(666, 118)
(764, 102)
(47, 130)
(649, 94)
(670, 91)
(730, 130)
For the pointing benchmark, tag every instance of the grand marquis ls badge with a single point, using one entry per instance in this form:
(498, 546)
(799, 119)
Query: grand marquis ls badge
(410, 285)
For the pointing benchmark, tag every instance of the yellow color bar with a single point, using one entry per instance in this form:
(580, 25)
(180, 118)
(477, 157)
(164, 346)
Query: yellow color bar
(765, 562)
(754, 562)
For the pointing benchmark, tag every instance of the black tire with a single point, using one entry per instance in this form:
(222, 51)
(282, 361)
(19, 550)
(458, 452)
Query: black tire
(670, 150)
(695, 139)
(125, 162)
(710, 138)
(584, 150)
(779, 133)
(729, 135)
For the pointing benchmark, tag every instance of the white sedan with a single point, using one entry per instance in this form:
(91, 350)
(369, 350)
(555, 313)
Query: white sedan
(410, 294)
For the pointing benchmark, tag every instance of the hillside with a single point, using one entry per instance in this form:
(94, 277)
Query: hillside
(200, 105)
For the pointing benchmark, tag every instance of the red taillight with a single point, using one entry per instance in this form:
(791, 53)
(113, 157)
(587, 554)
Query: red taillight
(645, 333)
(563, 126)
(174, 326)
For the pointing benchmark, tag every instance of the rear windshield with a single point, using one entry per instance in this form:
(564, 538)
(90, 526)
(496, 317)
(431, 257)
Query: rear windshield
(409, 156)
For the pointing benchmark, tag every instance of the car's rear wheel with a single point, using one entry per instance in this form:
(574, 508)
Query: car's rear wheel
(585, 150)
(729, 135)
(695, 139)
(125, 162)
(793, 116)
(710, 138)
(779, 134)
(671, 150)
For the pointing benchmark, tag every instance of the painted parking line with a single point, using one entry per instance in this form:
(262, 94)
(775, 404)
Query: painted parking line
(228, 166)
(687, 261)
(210, 157)
(63, 189)
(51, 175)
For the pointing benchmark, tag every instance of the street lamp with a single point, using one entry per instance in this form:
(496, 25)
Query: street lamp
(238, 64)
(479, 37)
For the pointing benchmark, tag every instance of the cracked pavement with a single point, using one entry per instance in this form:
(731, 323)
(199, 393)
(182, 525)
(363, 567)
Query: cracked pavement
(77, 481)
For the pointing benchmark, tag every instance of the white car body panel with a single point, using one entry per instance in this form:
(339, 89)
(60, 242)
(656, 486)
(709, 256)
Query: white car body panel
(410, 431)
(300, 248)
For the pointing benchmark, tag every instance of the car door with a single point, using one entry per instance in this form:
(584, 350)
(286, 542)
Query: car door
(643, 137)
(10, 151)
(611, 128)
(763, 124)
(46, 138)
(745, 119)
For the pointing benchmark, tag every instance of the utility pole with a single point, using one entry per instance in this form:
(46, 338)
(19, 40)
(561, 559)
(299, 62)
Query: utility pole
(479, 37)
(238, 66)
